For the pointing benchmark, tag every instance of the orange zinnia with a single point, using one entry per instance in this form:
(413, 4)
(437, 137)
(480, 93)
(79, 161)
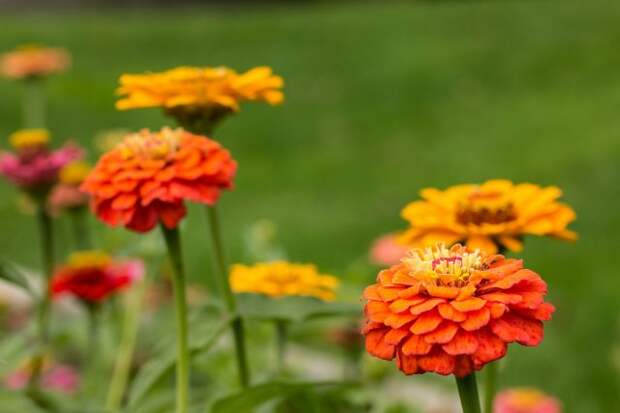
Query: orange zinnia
(147, 177)
(495, 213)
(451, 311)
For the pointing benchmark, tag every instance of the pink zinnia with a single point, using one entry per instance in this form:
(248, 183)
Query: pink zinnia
(36, 168)
(386, 251)
(58, 377)
(525, 400)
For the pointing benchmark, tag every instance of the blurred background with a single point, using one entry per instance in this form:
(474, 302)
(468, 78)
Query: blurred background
(382, 100)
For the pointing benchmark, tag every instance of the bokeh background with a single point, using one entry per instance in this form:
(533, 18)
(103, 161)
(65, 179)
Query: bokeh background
(382, 100)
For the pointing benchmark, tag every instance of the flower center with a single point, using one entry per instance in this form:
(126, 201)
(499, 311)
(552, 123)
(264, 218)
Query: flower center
(89, 259)
(526, 398)
(74, 173)
(29, 138)
(442, 266)
(151, 145)
(486, 208)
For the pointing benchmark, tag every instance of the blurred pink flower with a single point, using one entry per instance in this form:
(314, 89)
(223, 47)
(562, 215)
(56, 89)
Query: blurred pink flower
(525, 400)
(58, 377)
(386, 251)
(30, 61)
(37, 169)
(66, 196)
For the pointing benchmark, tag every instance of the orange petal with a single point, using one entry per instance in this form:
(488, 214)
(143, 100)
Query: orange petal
(398, 320)
(497, 310)
(463, 342)
(377, 311)
(410, 292)
(406, 364)
(371, 325)
(463, 366)
(401, 305)
(476, 319)
(376, 346)
(371, 293)
(470, 304)
(514, 328)
(443, 334)
(511, 243)
(426, 323)
(388, 294)
(394, 336)
(449, 313)
(403, 278)
(490, 348)
(504, 268)
(502, 298)
(443, 292)
(509, 281)
(427, 305)
(415, 345)
(481, 242)
(438, 362)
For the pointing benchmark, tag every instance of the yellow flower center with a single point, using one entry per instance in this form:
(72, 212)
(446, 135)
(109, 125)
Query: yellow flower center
(486, 208)
(89, 259)
(29, 138)
(442, 266)
(526, 398)
(151, 145)
(74, 173)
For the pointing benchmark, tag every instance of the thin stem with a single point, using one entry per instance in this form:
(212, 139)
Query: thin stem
(120, 376)
(33, 102)
(490, 386)
(229, 298)
(81, 233)
(47, 253)
(281, 339)
(468, 393)
(173, 243)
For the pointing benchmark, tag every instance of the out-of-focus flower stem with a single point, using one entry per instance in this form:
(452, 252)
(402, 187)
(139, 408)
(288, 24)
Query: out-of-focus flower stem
(281, 327)
(81, 231)
(468, 393)
(47, 253)
(173, 244)
(229, 298)
(33, 102)
(120, 376)
(490, 385)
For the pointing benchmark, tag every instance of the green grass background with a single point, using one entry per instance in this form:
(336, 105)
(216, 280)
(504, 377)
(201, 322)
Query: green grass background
(382, 100)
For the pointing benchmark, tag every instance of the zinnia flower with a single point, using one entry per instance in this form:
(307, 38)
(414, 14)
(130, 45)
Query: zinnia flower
(33, 61)
(56, 377)
(281, 278)
(387, 251)
(34, 167)
(451, 311)
(497, 212)
(147, 177)
(67, 194)
(525, 400)
(199, 96)
(92, 276)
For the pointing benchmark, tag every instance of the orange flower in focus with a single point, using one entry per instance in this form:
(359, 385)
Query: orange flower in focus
(495, 213)
(33, 61)
(147, 177)
(451, 311)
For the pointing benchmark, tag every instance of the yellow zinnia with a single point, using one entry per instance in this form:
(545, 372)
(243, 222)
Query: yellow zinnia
(494, 214)
(281, 278)
(199, 96)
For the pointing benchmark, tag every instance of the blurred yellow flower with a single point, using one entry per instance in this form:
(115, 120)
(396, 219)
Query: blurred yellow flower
(199, 87)
(487, 216)
(74, 173)
(281, 278)
(28, 138)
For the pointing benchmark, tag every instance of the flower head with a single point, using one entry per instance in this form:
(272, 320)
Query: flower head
(34, 167)
(92, 276)
(33, 61)
(387, 251)
(484, 216)
(281, 278)
(147, 177)
(67, 194)
(525, 400)
(451, 311)
(199, 96)
(56, 377)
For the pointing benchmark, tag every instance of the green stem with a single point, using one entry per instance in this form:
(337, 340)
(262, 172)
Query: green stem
(173, 243)
(33, 102)
(47, 252)
(468, 393)
(281, 339)
(229, 298)
(81, 234)
(490, 386)
(120, 376)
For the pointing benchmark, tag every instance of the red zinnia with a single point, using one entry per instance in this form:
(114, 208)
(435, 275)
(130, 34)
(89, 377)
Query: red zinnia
(147, 176)
(451, 311)
(92, 276)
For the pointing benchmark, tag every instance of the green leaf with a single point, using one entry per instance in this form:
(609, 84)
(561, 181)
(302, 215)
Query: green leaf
(157, 369)
(253, 397)
(12, 273)
(294, 309)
